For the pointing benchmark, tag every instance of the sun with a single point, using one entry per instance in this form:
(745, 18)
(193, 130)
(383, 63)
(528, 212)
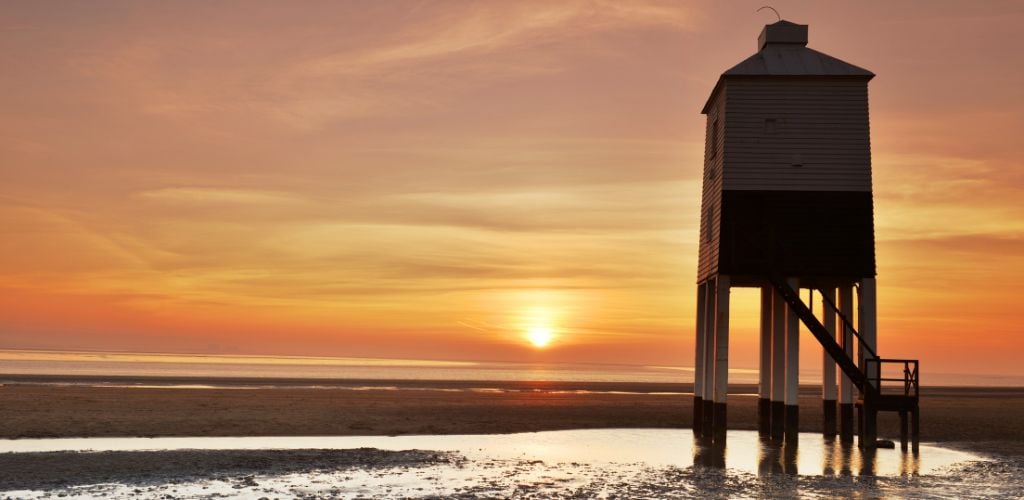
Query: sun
(540, 336)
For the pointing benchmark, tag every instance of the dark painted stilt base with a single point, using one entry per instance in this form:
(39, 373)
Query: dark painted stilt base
(828, 425)
(846, 423)
(868, 419)
(860, 426)
(698, 414)
(720, 423)
(778, 421)
(764, 416)
(708, 408)
(792, 423)
(789, 455)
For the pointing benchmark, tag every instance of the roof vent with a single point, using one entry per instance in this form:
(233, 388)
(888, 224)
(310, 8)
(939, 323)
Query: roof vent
(783, 32)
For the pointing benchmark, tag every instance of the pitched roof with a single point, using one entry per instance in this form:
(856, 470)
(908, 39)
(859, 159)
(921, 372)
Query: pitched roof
(783, 52)
(790, 59)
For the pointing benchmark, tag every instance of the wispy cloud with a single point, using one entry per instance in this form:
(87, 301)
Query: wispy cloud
(219, 196)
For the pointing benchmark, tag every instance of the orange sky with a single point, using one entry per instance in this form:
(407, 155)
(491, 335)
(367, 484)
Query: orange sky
(434, 180)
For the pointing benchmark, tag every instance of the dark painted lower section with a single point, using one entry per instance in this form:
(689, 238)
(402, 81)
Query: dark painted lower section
(720, 422)
(828, 412)
(796, 233)
(792, 423)
(778, 421)
(698, 414)
(867, 418)
(708, 409)
(846, 423)
(764, 416)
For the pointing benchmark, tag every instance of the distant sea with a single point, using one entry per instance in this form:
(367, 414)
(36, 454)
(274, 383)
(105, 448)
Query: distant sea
(122, 364)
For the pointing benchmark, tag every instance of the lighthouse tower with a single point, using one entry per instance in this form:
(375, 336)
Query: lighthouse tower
(787, 208)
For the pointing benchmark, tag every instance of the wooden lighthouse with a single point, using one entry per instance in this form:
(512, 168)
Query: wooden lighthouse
(787, 208)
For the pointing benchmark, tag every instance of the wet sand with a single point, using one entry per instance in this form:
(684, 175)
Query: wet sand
(54, 470)
(989, 420)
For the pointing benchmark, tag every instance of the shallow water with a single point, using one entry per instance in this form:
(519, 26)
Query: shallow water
(659, 463)
(745, 451)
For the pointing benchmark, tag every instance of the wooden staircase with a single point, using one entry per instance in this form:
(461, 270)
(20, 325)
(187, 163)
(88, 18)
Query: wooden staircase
(868, 379)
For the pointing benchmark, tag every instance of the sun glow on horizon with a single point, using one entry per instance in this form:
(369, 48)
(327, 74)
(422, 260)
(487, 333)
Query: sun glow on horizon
(539, 326)
(540, 336)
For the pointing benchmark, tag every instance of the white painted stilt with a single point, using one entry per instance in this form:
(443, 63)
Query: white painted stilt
(721, 354)
(778, 382)
(792, 369)
(709, 355)
(868, 321)
(829, 391)
(846, 396)
(698, 360)
(764, 389)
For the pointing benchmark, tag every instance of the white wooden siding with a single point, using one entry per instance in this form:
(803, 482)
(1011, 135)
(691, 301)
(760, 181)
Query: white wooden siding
(711, 197)
(822, 123)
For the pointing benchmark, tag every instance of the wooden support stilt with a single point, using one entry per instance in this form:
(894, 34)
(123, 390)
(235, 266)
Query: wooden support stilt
(846, 423)
(829, 414)
(708, 405)
(870, 431)
(792, 355)
(829, 391)
(867, 321)
(867, 324)
(698, 361)
(846, 389)
(764, 390)
(721, 356)
(860, 426)
(778, 383)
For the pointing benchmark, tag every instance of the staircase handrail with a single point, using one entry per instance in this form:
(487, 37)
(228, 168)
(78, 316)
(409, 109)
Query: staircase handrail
(848, 324)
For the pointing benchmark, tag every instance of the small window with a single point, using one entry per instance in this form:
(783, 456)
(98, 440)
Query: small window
(771, 126)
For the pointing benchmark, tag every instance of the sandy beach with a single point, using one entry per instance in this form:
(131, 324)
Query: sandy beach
(983, 421)
(980, 419)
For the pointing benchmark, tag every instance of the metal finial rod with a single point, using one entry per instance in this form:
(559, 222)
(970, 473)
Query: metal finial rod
(779, 16)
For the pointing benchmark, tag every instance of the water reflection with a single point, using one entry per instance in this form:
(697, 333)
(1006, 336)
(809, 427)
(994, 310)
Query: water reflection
(910, 465)
(769, 458)
(836, 458)
(708, 453)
